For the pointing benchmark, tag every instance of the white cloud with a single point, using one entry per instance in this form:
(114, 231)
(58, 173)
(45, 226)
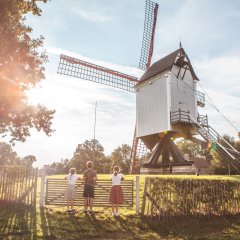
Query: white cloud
(220, 73)
(206, 28)
(74, 102)
(220, 78)
(93, 16)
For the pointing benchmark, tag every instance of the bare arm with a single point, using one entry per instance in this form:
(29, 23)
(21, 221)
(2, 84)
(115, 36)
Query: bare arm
(84, 176)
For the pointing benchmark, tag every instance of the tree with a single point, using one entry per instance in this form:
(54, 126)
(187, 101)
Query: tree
(21, 68)
(85, 152)
(7, 155)
(61, 167)
(189, 147)
(29, 160)
(121, 157)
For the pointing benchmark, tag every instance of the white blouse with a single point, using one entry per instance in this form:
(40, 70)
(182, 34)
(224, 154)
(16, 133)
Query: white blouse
(116, 180)
(72, 178)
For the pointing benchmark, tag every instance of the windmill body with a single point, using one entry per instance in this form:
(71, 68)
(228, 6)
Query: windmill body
(168, 86)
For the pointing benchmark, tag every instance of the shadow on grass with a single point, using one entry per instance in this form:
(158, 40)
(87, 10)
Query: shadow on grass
(18, 221)
(227, 228)
(22, 222)
(45, 228)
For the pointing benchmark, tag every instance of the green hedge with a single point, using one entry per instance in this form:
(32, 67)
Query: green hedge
(167, 198)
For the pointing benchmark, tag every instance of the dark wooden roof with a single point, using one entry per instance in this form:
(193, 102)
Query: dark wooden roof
(165, 64)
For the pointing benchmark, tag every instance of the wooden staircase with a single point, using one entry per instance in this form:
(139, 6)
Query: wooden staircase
(224, 148)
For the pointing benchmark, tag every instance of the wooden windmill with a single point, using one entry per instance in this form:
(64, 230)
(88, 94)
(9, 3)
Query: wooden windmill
(167, 108)
(167, 100)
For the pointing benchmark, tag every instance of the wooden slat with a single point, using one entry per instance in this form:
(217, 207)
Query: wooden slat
(56, 192)
(16, 182)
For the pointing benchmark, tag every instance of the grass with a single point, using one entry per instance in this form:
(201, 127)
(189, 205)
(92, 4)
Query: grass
(50, 223)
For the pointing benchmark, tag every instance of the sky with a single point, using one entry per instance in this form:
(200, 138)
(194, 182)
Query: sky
(109, 33)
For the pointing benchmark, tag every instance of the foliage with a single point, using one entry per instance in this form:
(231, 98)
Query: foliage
(219, 164)
(90, 151)
(189, 147)
(61, 167)
(7, 155)
(21, 68)
(184, 197)
(121, 157)
(29, 160)
(10, 157)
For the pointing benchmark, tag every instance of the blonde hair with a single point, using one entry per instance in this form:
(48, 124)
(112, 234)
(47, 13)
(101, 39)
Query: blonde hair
(89, 164)
(72, 171)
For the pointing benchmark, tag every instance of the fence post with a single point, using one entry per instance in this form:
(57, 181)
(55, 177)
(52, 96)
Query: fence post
(35, 186)
(144, 195)
(137, 194)
(43, 178)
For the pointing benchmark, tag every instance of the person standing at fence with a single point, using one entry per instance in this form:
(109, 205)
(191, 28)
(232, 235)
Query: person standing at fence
(116, 194)
(90, 178)
(72, 177)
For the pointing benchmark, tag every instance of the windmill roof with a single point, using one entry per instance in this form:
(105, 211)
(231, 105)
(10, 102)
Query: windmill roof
(164, 64)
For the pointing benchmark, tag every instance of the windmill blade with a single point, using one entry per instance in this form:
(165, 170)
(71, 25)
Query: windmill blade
(88, 71)
(151, 11)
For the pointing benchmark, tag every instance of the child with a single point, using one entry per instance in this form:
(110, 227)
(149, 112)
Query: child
(90, 177)
(72, 177)
(116, 195)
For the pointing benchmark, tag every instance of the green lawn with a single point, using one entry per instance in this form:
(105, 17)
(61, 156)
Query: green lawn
(21, 222)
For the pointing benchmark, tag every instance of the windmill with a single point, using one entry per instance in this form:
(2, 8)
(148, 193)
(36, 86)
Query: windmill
(167, 101)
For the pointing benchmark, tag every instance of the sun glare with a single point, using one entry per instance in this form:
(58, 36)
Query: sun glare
(35, 96)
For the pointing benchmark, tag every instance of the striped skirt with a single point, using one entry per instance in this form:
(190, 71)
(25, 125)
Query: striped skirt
(116, 195)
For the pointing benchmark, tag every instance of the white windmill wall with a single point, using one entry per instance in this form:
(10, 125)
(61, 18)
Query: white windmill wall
(183, 93)
(153, 106)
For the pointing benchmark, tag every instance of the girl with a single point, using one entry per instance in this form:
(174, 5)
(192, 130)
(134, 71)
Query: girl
(72, 177)
(116, 195)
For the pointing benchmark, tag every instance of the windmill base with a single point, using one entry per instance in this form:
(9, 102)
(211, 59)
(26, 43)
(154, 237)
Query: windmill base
(166, 158)
(152, 171)
(174, 170)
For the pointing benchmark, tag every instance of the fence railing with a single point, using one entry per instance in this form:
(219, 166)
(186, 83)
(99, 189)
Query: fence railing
(56, 192)
(18, 184)
(179, 116)
(165, 199)
(200, 99)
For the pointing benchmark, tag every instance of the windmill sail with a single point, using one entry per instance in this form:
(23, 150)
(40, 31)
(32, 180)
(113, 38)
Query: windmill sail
(88, 71)
(151, 11)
